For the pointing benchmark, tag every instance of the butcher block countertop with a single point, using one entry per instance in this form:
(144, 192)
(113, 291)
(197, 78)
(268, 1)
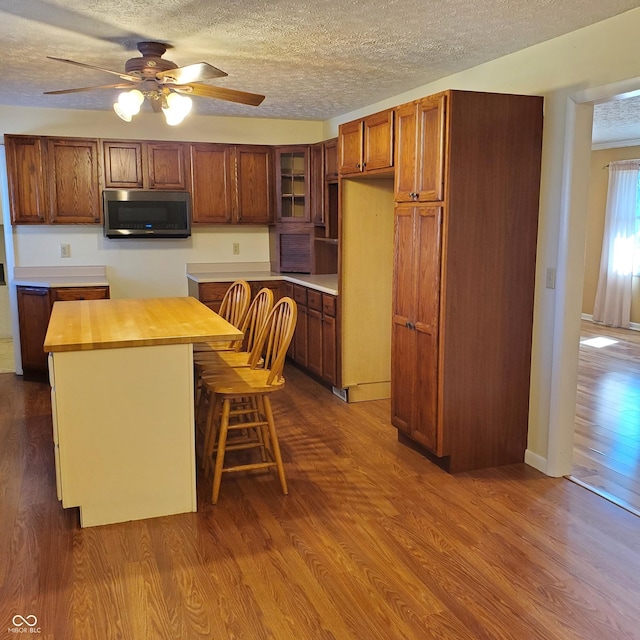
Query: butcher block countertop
(107, 324)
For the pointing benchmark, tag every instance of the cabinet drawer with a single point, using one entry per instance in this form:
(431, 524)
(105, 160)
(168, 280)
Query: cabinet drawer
(314, 300)
(286, 290)
(329, 305)
(300, 294)
(212, 291)
(80, 293)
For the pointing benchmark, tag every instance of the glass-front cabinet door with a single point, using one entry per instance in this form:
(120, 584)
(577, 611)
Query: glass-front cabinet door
(292, 184)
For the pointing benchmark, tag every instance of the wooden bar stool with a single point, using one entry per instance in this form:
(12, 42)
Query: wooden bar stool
(251, 327)
(239, 400)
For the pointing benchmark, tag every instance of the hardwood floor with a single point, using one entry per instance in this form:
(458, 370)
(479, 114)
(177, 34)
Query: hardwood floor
(607, 435)
(373, 542)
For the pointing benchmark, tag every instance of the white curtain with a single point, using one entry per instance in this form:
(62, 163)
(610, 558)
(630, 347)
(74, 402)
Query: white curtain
(613, 297)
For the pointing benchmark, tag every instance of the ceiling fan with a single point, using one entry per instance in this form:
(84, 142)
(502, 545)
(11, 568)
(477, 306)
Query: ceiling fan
(162, 82)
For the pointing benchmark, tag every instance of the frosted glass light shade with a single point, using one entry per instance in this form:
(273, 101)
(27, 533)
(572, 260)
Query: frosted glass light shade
(177, 108)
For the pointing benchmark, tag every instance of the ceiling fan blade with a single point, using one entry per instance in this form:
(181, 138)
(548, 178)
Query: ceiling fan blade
(103, 86)
(124, 76)
(191, 73)
(231, 95)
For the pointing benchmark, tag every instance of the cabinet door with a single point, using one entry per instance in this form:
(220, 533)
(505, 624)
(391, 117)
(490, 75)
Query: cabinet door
(329, 339)
(34, 309)
(211, 183)
(331, 159)
(403, 360)
(431, 148)
(406, 144)
(314, 341)
(122, 164)
(300, 335)
(317, 183)
(314, 331)
(74, 180)
(425, 323)
(416, 309)
(254, 176)
(26, 171)
(350, 147)
(167, 165)
(286, 291)
(378, 141)
(293, 184)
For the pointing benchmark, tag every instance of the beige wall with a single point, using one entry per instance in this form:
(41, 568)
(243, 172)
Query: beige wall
(598, 186)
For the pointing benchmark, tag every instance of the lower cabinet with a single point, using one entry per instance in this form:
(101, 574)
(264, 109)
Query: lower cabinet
(34, 310)
(315, 342)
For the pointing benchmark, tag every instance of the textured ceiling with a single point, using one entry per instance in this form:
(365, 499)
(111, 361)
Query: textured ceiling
(312, 60)
(617, 121)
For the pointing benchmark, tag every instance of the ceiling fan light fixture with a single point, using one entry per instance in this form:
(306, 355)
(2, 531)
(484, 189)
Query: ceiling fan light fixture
(122, 113)
(129, 103)
(176, 108)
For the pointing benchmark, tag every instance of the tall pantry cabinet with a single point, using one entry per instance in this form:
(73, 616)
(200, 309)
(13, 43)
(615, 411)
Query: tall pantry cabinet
(466, 189)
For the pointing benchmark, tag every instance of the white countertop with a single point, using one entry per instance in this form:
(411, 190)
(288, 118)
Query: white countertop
(327, 283)
(48, 277)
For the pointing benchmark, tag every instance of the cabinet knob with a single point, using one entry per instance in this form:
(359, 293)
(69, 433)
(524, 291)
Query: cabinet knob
(364, 164)
(358, 165)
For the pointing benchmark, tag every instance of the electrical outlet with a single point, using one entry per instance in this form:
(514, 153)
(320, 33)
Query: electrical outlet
(551, 278)
(236, 248)
(65, 250)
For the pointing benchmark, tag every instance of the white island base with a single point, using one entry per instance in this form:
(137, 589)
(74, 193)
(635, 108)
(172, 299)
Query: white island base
(123, 432)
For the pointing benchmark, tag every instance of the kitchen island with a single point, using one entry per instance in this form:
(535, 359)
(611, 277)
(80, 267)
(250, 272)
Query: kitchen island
(121, 375)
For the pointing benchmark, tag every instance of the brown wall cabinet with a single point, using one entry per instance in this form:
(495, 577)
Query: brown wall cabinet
(293, 188)
(366, 145)
(231, 184)
(26, 170)
(254, 184)
(464, 271)
(145, 165)
(74, 180)
(34, 310)
(53, 180)
(420, 157)
(331, 159)
(60, 180)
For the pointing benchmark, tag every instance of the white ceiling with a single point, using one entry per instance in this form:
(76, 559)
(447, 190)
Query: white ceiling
(617, 123)
(312, 60)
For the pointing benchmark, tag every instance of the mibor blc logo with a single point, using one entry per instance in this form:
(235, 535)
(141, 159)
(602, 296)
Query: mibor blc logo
(24, 624)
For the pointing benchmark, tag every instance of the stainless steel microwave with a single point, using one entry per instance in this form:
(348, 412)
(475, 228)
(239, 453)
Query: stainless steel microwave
(146, 214)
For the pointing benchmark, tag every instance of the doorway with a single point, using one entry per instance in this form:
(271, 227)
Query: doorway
(567, 316)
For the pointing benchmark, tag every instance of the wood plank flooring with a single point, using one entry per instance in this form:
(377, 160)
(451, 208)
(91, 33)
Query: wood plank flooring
(607, 434)
(372, 543)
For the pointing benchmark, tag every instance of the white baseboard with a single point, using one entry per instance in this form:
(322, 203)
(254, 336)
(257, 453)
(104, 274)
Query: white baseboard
(635, 326)
(536, 461)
